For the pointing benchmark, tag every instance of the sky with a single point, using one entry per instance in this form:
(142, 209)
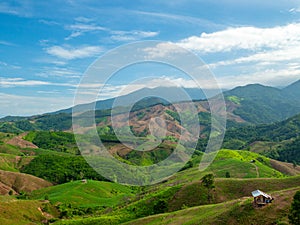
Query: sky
(46, 46)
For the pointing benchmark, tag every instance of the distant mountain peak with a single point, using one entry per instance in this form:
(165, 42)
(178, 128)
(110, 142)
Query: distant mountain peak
(296, 83)
(292, 90)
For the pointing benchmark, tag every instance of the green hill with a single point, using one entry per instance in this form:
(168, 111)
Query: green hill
(230, 200)
(278, 140)
(20, 212)
(89, 194)
(261, 104)
(234, 212)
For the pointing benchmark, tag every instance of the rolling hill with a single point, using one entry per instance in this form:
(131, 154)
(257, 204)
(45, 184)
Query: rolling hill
(85, 194)
(231, 212)
(20, 212)
(110, 203)
(230, 200)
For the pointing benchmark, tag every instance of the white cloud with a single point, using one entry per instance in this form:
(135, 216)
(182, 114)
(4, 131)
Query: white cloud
(294, 10)
(79, 29)
(177, 18)
(69, 53)
(162, 50)
(18, 8)
(48, 22)
(87, 92)
(12, 82)
(132, 35)
(289, 53)
(31, 105)
(268, 56)
(6, 43)
(20, 82)
(10, 66)
(58, 72)
(269, 77)
(84, 25)
(6, 8)
(83, 19)
(244, 38)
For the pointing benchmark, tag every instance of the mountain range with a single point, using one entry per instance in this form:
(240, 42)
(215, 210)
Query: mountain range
(250, 104)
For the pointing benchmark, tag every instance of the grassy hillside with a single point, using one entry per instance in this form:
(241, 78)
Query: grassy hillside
(8, 162)
(229, 202)
(242, 164)
(233, 212)
(238, 164)
(20, 212)
(90, 194)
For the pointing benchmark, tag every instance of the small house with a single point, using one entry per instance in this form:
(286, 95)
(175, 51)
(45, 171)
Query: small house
(261, 198)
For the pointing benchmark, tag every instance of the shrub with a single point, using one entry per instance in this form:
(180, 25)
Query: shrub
(294, 216)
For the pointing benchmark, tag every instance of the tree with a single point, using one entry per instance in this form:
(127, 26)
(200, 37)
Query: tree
(294, 164)
(46, 197)
(160, 207)
(294, 216)
(208, 182)
(227, 175)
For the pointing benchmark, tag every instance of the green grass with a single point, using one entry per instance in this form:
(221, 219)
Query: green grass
(10, 149)
(20, 212)
(8, 162)
(192, 194)
(90, 194)
(236, 188)
(235, 99)
(196, 215)
(239, 165)
(235, 212)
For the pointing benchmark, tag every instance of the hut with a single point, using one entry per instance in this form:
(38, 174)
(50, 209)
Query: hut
(261, 198)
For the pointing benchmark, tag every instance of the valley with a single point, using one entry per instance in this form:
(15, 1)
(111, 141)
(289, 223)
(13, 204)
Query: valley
(44, 179)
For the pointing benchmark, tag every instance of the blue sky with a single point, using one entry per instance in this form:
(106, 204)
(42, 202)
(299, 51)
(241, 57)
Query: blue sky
(45, 46)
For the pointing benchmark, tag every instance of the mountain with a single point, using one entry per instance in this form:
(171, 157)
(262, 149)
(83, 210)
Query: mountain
(293, 90)
(250, 104)
(261, 104)
(166, 94)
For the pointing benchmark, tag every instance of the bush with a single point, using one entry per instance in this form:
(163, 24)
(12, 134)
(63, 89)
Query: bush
(294, 216)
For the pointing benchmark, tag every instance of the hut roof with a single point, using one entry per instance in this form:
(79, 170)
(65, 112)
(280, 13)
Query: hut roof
(258, 193)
